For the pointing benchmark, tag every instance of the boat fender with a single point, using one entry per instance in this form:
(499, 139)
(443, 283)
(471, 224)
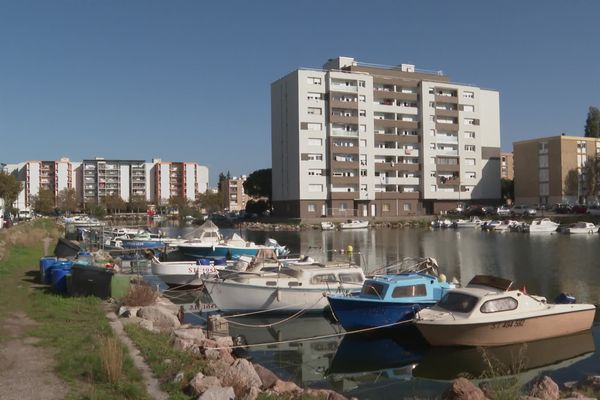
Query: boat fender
(278, 294)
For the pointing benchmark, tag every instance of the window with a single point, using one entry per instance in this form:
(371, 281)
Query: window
(362, 143)
(433, 188)
(373, 289)
(468, 108)
(314, 111)
(544, 189)
(351, 277)
(315, 172)
(469, 121)
(315, 142)
(362, 83)
(469, 135)
(313, 80)
(362, 113)
(496, 305)
(470, 175)
(469, 161)
(410, 291)
(458, 302)
(362, 98)
(363, 172)
(315, 188)
(468, 95)
(314, 96)
(407, 206)
(469, 147)
(323, 278)
(544, 175)
(362, 128)
(386, 207)
(315, 157)
(313, 126)
(543, 147)
(311, 208)
(543, 161)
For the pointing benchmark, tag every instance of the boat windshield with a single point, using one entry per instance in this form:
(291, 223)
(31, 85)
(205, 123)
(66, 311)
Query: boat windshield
(410, 291)
(458, 302)
(351, 277)
(373, 289)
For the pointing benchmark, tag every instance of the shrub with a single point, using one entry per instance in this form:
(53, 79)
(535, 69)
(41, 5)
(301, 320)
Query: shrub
(140, 294)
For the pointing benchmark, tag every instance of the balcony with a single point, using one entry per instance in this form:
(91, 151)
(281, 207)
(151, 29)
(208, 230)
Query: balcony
(345, 180)
(447, 167)
(389, 166)
(445, 181)
(446, 139)
(344, 133)
(392, 123)
(446, 113)
(404, 181)
(450, 153)
(342, 87)
(446, 127)
(397, 195)
(343, 164)
(446, 99)
(344, 150)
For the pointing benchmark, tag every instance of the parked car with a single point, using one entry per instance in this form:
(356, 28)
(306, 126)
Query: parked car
(579, 209)
(594, 209)
(523, 210)
(562, 208)
(503, 211)
(474, 210)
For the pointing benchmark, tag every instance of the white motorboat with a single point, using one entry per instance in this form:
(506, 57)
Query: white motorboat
(354, 224)
(504, 226)
(542, 225)
(327, 225)
(184, 274)
(487, 313)
(289, 289)
(490, 225)
(474, 222)
(582, 227)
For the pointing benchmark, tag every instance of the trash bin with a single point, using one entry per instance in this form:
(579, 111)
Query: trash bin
(45, 262)
(120, 285)
(59, 279)
(66, 248)
(89, 280)
(48, 269)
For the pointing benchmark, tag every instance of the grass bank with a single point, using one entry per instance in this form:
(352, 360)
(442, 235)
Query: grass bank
(74, 329)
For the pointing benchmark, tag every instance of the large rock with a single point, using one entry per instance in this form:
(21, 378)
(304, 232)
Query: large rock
(200, 383)
(182, 344)
(194, 334)
(463, 389)
(252, 393)
(161, 317)
(590, 382)
(223, 341)
(218, 393)
(285, 387)
(241, 376)
(267, 377)
(219, 354)
(545, 389)
(323, 394)
(148, 325)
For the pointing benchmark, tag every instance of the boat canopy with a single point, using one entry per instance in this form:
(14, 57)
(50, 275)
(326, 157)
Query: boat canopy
(490, 281)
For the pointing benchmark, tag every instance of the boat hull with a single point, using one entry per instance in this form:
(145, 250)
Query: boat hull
(183, 274)
(141, 244)
(511, 331)
(233, 297)
(354, 314)
(195, 252)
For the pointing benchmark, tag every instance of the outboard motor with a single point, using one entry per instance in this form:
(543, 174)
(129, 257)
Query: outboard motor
(564, 298)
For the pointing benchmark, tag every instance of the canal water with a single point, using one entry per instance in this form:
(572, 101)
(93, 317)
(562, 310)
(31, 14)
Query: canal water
(401, 365)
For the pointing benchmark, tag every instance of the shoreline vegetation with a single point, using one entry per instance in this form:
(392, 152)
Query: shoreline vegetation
(92, 363)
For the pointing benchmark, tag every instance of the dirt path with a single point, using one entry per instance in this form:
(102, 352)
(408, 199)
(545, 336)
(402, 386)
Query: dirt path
(26, 371)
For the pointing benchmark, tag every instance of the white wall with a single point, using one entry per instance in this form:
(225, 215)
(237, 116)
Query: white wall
(190, 181)
(202, 174)
(124, 184)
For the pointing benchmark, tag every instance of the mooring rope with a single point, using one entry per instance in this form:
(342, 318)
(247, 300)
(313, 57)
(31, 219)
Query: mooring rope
(246, 346)
(295, 315)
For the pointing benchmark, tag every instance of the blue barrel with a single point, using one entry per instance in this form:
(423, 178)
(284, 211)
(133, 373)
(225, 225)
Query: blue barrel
(59, 279)
(48, 270)
(220, 261)
(45, 262)
(203, 261)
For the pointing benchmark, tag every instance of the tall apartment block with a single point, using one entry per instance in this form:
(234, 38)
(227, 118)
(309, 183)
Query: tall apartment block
(54, 175)
(179, 179)
(369, 140)
(550, 170)
(507, 170)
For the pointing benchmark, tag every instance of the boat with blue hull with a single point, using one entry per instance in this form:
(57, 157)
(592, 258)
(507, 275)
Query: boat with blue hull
(388, 299)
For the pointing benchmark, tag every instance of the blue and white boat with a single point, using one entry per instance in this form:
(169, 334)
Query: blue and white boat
(388, 299)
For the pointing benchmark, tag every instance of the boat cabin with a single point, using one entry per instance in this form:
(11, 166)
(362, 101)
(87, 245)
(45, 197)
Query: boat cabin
(411, 287)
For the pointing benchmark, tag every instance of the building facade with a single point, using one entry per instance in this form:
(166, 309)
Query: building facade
(507, 170)
(232, 189)
(367, 140)
(552, 169)
(97, 178)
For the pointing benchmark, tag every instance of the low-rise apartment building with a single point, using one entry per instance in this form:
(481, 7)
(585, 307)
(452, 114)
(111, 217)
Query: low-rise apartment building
(232, 189)
(370, 140)
(507, 170)
(551, 170)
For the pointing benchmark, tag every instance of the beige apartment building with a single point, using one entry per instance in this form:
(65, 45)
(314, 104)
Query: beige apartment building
(549, 170)
(507, 170)
(356, 139)
(232, 189)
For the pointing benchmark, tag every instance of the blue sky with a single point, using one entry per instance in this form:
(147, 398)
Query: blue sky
(187, 80)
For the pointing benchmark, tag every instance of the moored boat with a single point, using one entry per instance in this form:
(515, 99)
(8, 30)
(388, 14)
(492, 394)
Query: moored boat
(387, 300)
(327, 225)
(487, 313)
(542, 225)
(354, 224)
(291, 288)
(582, 227)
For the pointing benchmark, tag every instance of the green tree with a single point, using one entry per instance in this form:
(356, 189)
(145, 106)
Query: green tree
(507, 188)
(210, 201)
(67, 200)
(591, 175)
(592, 123)
(9, 189)
(258, 183)
(114, 203)
(178, 203)
(571, 183)
(137, 203)
(44, 202)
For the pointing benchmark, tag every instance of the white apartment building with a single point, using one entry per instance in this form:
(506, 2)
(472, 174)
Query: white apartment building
(369, 140)
(94, 179)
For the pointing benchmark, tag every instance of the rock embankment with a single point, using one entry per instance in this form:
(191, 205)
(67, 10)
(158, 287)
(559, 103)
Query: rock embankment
(227, 376)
